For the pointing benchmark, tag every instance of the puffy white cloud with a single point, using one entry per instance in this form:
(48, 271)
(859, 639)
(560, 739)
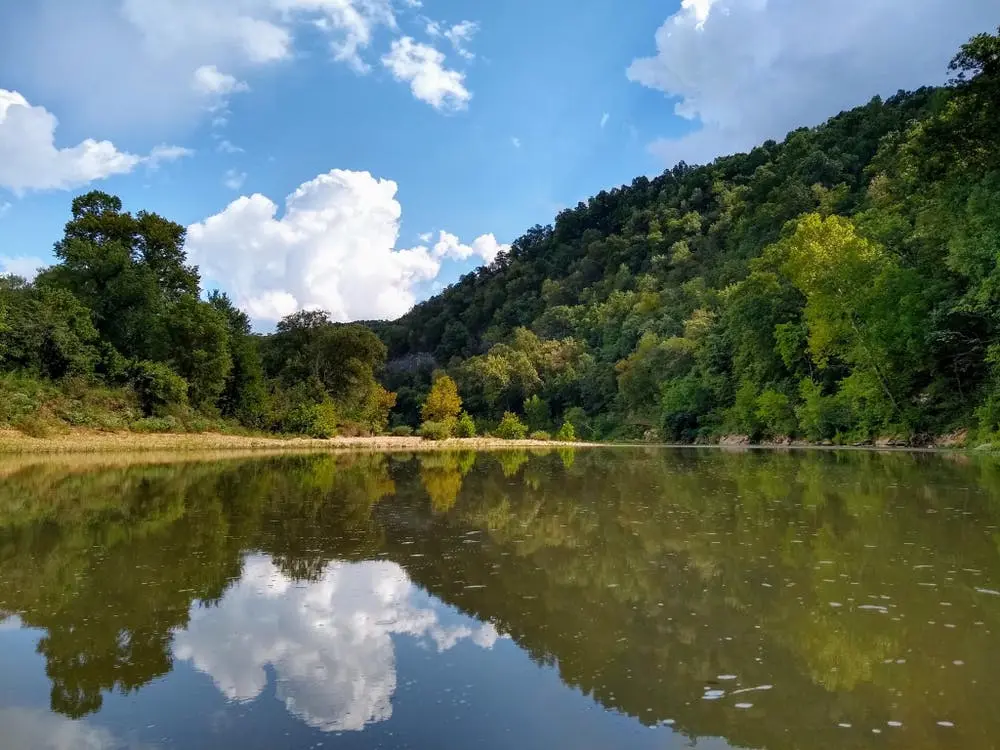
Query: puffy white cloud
(149, 64)
(210, 81)
(749, 70)
(30, 160)
(328, 641)
(334, 248)
(484, 247)
(25, 266)
(515, 142)
(422, 66)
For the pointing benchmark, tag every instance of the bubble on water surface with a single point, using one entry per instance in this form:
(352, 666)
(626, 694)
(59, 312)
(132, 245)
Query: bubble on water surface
(713, 695)
(945, 724)
(744, 705)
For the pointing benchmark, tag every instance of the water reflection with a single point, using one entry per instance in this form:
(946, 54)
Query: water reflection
(771, 600)
(329, 641)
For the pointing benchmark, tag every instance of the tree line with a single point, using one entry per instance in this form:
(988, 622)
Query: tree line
(117, 334)
(841, 285)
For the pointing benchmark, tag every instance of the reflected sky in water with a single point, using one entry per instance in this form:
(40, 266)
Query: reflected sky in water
(591, 599)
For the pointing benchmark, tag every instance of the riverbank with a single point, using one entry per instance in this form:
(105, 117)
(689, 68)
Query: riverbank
(93, 441)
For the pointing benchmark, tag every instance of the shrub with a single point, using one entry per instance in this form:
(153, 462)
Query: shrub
(402, 430)
(34, 426)
(324, 420)
(511, 428)
(540, 435)
(314, 420)
(465, 427)
(157, 386)
(430, 430)
(566, 433)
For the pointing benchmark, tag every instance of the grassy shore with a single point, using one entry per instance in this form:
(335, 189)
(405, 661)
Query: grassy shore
(92, 441)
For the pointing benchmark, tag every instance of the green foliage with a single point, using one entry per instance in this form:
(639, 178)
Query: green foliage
(860, 256)
(403, 430)
(536, 413)
(158, 387)
(431, 430)
(465, 427)
(443, 402)
(540, 435)
(511, 428)
(566, 434)
(775, 414)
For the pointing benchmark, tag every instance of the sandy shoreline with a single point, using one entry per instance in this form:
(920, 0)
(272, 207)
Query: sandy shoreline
(91, 441)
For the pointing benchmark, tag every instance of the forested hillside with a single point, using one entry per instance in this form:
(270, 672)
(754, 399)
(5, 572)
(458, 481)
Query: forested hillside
(841, 285)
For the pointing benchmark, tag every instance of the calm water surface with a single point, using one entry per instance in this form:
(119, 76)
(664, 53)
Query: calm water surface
(600, 599)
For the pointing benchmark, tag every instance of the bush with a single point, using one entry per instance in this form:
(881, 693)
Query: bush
(541, 435)
(402, 430)
(314, 420)
(435, 430)
(566, 433)
(34, 426)
(157, 386)
(465, 427)
(324, 421)
(511, 428)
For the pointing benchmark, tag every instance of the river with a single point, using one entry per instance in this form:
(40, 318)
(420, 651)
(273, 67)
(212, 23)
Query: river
(596, 598)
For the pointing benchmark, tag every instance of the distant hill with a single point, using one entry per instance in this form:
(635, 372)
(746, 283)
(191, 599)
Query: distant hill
(840, 285)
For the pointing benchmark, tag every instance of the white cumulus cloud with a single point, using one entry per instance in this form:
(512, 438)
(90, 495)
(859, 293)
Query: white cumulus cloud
(149, 64)
(749, 70)
(329, 641)
(30, 159)
(422, 66)
(25, 266)
(333, 248)
(210, 81)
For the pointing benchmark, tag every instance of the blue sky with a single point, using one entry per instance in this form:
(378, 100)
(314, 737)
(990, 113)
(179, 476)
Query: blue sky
(486, 117)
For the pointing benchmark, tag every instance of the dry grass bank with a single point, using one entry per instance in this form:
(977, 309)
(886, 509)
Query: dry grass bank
(92, 441)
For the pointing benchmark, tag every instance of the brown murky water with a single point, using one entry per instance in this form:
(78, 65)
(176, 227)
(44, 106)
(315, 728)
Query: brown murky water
(596, 599)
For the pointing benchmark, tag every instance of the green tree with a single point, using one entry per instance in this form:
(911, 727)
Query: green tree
(443, 402)
(511, 428)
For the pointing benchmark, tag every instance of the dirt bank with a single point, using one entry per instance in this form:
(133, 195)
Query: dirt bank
(90, 441)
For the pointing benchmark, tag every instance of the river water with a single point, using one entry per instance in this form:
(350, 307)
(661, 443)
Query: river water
(602, 598)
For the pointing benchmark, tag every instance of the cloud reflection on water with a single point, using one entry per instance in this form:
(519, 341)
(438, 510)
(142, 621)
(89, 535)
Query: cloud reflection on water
(329, 641)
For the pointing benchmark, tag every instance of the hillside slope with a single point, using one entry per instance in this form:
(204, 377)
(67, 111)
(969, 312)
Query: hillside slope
(840, 285)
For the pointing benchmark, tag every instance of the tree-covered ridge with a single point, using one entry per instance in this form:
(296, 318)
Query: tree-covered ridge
(840, 285)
